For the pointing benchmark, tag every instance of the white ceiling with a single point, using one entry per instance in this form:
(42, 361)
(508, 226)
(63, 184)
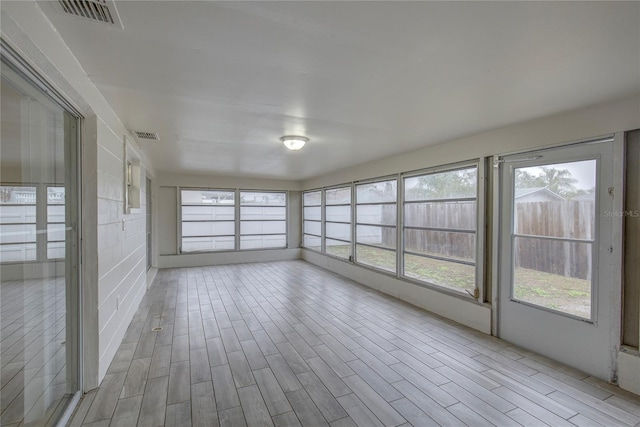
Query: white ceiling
(222, 81)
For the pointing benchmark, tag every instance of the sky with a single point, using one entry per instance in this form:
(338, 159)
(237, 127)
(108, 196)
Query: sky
(584, 171)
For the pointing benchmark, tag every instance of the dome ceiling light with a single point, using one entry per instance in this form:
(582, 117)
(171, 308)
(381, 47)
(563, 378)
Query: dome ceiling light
(293, 142)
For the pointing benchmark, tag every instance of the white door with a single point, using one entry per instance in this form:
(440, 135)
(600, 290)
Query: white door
(556, 228)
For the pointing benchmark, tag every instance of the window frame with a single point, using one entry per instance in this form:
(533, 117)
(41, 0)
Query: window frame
(480, 227)
(41, 222)
(240, 220)
(46, 221)
(395, 226)
(181, 221)
(320, 221)
(482, 166)
(350, 257)
(37, 223)
(236, 220)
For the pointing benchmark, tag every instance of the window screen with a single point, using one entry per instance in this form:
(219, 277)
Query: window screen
(337, 215)
(208, 220)
(312, 220)
(440, 215)
(376, 208)
(263, 220)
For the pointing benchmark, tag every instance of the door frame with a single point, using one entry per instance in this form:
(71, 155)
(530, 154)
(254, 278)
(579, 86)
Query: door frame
(617, 236)
(73, 264)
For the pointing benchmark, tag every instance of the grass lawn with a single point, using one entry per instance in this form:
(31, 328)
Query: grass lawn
(553, 291)
(566, 294)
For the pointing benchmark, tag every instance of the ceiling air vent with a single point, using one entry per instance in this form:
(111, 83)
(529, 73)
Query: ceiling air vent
(149, 136)
(96, 10)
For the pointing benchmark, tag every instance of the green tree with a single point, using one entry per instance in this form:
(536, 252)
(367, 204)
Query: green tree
(560, 181)
(446, 185)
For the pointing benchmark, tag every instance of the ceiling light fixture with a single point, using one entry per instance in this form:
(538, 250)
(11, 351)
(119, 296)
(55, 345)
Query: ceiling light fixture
(293, 142)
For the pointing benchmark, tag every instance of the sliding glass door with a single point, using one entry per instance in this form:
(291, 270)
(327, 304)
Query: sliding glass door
(39, 289)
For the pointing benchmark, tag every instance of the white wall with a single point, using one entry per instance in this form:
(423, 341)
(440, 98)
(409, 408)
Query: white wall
(603, 119)
(472, 314)
(629, 371)
(170, 183)
(121, 248)
(113, 259)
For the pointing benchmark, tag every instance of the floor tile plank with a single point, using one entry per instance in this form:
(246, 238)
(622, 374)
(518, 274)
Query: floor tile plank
(412, 413)
(376, 404)
(359, 412)
(106, 398)
(136, 379)
(253, 406)
(226, 395)
(232, 417)
(471, 418)
(127, 412)
(287, 379)
(240, 369)
(480, 404)
(179, 383)
(375, 381)
(178, 415)
(274, 397)
(331, 380)
(324, 400)
(534, 409)
(425, 403)
(160, 362)
(305, 409)
(203, 405)
(152, 411)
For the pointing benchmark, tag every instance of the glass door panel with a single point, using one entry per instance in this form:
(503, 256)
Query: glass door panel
(554, 222)
(39, 316)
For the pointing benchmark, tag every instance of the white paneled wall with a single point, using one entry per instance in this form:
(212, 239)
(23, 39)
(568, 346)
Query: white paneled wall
(121, 248)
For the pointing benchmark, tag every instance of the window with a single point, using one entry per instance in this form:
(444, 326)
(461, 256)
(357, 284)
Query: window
(312, 220)
(56, 233)
(440, 223)
(217, 220)
(18, 223)
(337, 214)
(263, 220)
(208, 220)
(133, 176)
(376, 206)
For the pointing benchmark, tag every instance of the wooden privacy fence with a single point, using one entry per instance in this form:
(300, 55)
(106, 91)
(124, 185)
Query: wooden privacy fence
(453, 215)
(564, 219)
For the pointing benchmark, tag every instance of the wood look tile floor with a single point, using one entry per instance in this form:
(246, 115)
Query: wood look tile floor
(32, 350)
(290, 344)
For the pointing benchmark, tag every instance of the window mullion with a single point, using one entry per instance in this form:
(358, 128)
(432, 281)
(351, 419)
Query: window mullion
(179, 215)
(399, 227)
(41, 222)
(323, 219)
(481, 229)
(237, 211)
(352, 256)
